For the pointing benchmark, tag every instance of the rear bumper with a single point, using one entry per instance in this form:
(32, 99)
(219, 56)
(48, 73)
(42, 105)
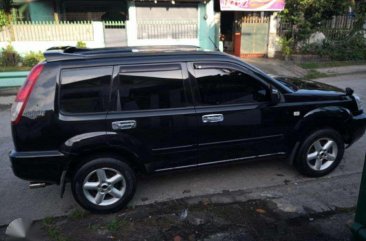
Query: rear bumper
(356, 128)
(44, 166)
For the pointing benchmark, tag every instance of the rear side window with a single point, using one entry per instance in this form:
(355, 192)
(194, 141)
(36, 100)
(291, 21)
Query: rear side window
(85, 90)
(152, 87)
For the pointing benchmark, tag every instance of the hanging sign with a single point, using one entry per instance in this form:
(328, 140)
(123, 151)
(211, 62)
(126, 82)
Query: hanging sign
(252, 5)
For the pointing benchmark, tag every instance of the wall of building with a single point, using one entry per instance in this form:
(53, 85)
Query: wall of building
(207, 29)
(23, 47)
(41, 10)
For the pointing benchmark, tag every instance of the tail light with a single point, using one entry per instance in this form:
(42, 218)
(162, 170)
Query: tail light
(24, 93)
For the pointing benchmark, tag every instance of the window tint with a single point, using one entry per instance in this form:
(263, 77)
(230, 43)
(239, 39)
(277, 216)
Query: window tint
(151, 89)
(222, 86)
(85, 90)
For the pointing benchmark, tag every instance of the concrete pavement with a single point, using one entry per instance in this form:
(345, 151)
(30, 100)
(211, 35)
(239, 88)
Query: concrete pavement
(277, 67)
(256, 179)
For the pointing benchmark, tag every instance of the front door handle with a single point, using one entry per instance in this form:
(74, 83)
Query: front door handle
(212, 118)
(124, 125)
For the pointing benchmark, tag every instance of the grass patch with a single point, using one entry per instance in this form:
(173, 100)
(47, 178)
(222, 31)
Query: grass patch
(314, 74)
(78, 214)
(316, 65)
(14, 68)
(52, 230)
(115, 224)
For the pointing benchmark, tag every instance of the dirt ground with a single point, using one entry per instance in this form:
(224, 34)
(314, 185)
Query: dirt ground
(254, 220)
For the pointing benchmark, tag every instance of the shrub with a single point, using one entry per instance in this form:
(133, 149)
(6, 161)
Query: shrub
(9, 57)
(3, 19)
(81, 45)
(286, 47)
(32, 58)
(348, 48)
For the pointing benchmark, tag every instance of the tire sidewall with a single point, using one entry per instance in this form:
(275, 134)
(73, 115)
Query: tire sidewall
(301, 162)
(103, 162)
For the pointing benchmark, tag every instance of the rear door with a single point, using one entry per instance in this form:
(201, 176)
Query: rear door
(153, 114)
(231, 105)
(82, 106)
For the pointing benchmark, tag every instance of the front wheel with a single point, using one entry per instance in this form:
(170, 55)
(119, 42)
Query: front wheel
(320, 153)
(103, 185)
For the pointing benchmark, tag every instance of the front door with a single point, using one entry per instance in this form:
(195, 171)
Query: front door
(153, 115)
(231, 103)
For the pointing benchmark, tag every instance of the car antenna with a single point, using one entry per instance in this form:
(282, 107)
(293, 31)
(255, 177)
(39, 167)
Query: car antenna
(214, 44)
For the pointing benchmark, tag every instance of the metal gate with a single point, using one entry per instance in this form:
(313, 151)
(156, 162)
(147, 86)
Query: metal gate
(115, 34)
(254, 36)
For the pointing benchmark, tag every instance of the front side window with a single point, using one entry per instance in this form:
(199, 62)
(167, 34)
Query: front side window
(85, 90)
(151, 88)
(225, 86)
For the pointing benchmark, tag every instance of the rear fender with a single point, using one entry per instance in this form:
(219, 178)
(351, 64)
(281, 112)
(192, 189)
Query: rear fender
(101, 142)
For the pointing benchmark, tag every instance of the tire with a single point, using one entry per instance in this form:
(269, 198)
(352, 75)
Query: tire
(103, 185)
(323, 158)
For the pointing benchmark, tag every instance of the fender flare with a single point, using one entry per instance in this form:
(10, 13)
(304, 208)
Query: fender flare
(101, 141)
(332, 116)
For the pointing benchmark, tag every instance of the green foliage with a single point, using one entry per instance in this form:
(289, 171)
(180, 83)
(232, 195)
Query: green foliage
(78, 214)
(9, 57)
(81, 45)
(350, 48)
(286, 46)
(314, 74)
(360, 12)
(3, 19)
(114, 225)
(33, 58)
(54, 233)
(330, 64)
(5, 12)
(306, 15)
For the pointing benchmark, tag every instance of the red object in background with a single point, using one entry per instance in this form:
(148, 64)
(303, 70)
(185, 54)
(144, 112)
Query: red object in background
(236, 44)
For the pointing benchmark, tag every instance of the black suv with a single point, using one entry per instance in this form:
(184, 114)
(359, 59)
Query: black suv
(95, 117)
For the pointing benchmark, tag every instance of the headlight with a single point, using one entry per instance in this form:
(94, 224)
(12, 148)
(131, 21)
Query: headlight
(358, 102)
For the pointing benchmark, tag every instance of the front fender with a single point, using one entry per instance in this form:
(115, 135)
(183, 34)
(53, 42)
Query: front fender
(333, 116)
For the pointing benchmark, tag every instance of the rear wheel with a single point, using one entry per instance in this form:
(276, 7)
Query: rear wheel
(104, 185)
(320, 153)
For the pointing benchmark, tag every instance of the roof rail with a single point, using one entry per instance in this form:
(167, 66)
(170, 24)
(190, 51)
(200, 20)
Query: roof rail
(71, 52)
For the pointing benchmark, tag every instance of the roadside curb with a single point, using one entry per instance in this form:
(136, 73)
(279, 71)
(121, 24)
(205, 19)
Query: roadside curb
(343, 70)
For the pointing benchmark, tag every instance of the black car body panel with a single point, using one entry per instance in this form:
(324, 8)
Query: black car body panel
(49, 140)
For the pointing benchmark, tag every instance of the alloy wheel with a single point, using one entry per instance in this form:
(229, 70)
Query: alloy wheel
(322, 154)
(104, 186)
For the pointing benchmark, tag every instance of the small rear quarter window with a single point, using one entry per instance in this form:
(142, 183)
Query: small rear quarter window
(85, 90)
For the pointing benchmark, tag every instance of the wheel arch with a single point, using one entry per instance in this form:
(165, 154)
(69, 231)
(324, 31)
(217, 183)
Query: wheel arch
(131, 158)
(333, 117)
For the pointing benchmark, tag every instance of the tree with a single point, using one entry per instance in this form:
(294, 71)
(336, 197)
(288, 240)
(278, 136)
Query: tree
(360, 12)
(306, 16)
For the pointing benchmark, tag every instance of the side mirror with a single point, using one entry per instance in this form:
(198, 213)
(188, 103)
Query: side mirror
(275, 96)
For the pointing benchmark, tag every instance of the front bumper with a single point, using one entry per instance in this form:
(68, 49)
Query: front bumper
(43, 166)
(356, 128)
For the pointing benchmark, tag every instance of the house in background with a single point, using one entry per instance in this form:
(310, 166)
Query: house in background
(121, 22)
(249, 27)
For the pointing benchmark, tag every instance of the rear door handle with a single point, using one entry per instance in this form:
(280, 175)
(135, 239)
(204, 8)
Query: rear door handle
(123, 125)
(212, 118)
